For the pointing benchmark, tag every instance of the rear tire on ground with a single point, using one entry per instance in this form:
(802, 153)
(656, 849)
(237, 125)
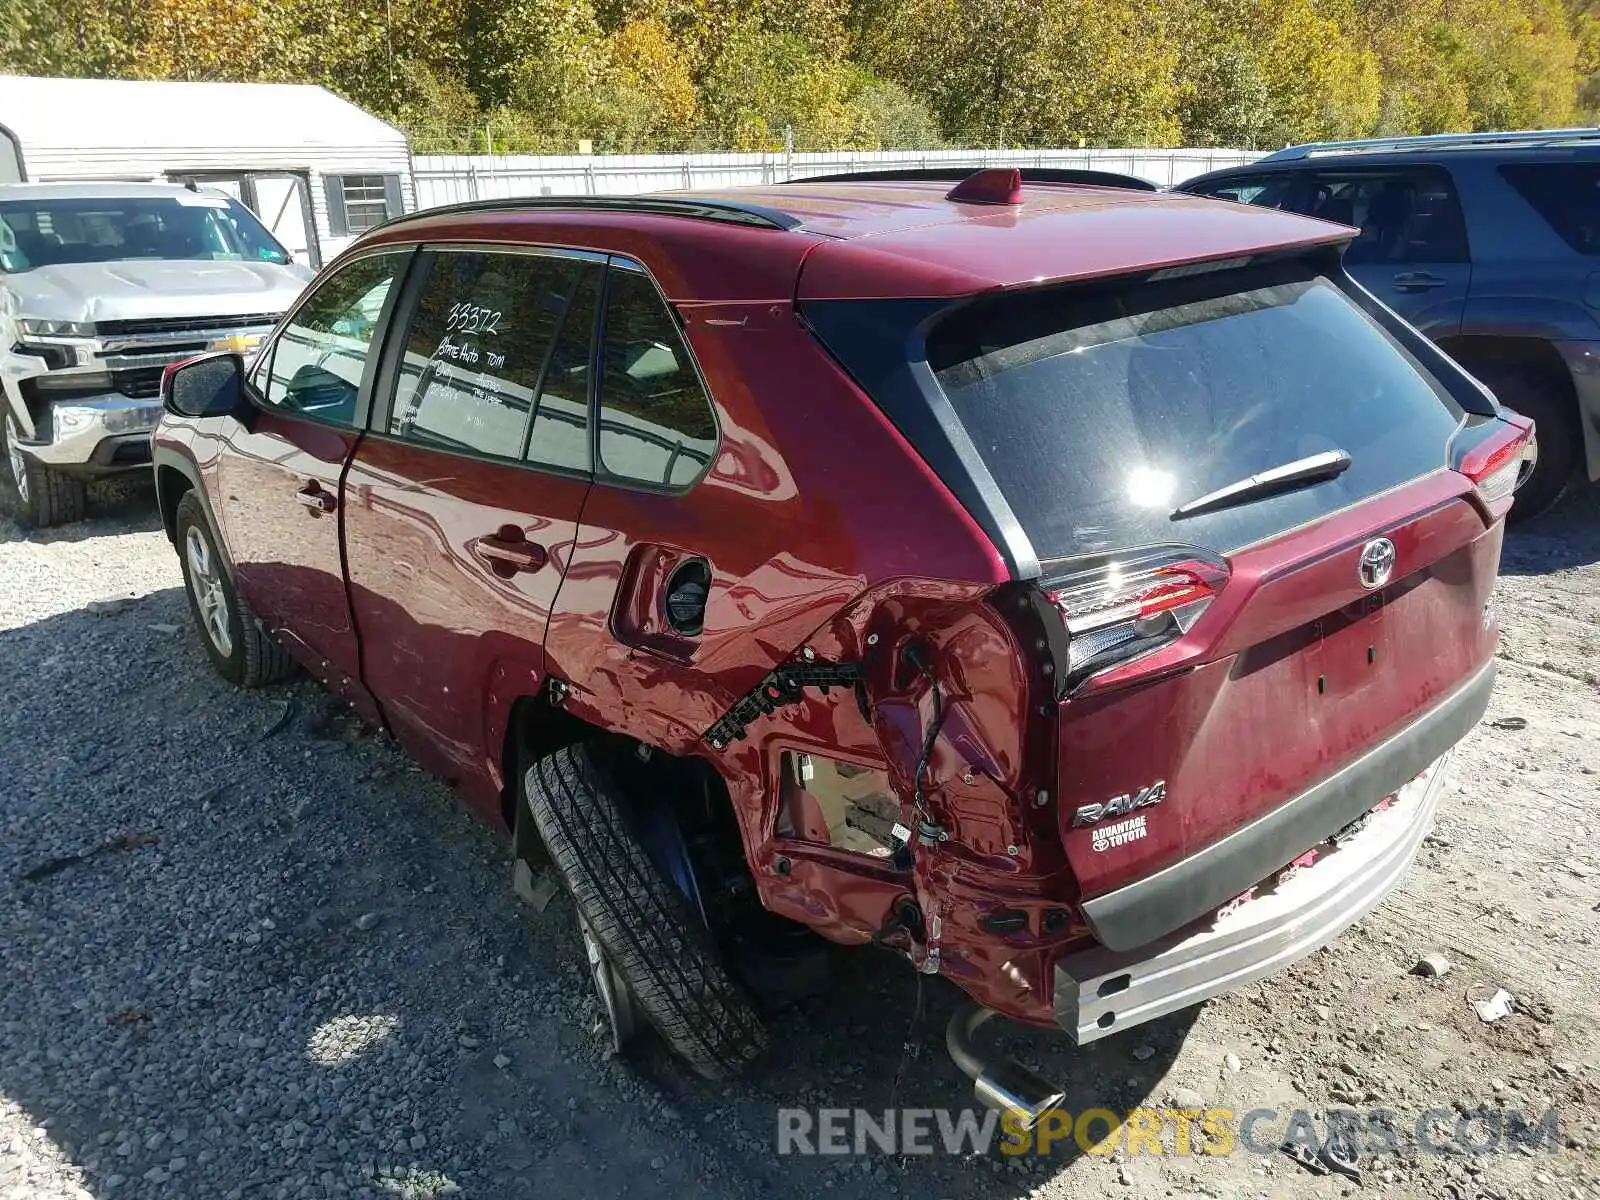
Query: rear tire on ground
(239, 648)
(1560, 439)
(44, 498)
(666, 957)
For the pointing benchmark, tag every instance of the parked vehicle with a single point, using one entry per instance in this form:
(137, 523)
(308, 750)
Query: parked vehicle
(1485, 242)
(102, 286)
(1075, 588)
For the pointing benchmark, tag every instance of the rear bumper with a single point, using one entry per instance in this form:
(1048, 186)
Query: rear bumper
(1137, 914)
(1101, 991)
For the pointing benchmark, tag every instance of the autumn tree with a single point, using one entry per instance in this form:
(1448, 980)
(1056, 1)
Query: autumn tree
(665, 74)
(1473, 64)
(891, 117)
(762, 84)
(1030, 72)
(206, 39)
(93, 38)
(647, 101)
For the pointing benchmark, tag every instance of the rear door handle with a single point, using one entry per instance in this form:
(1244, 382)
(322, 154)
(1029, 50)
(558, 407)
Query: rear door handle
(317, 500)
(1418, 281)
(507, 555)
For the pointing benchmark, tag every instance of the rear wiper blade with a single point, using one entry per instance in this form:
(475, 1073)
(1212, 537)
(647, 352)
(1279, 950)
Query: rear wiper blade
(1311, 469)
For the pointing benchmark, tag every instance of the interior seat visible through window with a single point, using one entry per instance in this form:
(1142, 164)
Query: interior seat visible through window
(656, 422)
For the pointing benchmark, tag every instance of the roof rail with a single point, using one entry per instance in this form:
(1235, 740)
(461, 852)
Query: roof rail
(1437, 141)
(958, 174)
(733, 212)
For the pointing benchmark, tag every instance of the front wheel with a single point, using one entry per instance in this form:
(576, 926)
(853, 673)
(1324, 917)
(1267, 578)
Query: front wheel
(45, 498)
(645, 950)
(239, 648)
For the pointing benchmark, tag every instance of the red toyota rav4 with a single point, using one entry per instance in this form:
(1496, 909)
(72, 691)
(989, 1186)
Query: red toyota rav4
(1075, 588)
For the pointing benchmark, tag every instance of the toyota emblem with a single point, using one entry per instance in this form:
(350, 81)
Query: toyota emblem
(1377, 562)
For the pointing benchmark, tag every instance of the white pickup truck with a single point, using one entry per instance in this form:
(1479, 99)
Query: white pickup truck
(102, 285)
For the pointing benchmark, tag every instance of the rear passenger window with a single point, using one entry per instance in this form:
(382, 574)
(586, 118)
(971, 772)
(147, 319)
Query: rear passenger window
(1408, 216)
(1567, 195)
(656, 423)
(477, 344)
(561, 424)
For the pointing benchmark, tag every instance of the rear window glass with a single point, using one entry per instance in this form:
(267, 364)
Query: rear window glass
(1100, 411)
(1567, 195)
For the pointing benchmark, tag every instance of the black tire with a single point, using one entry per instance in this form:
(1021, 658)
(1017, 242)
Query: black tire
(44, 498)
(1555, 417)
(250, 657)
(666, 957)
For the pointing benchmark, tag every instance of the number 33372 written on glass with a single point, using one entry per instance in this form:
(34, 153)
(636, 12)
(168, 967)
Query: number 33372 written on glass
(472, 318)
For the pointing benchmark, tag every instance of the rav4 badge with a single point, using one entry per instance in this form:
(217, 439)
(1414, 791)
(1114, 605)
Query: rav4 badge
(1089, 814)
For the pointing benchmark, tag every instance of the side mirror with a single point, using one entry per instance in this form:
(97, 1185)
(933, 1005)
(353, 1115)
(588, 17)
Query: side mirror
(209, 386)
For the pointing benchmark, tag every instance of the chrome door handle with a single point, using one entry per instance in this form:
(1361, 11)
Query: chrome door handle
(509, 557)
(1417, 281)
(317, 500)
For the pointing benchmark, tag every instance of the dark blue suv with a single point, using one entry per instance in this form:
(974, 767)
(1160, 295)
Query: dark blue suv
(1490, 244)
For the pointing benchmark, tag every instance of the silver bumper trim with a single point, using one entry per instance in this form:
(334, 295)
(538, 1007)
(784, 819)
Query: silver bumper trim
(1100, 991)
(97, 419)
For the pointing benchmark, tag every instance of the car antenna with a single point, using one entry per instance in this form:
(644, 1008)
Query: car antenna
(993, 185)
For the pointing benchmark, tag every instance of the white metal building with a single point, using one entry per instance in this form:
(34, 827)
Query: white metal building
(315, 168)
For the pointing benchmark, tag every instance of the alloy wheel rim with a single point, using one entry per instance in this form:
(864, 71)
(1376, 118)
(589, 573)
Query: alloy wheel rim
(613, 992)
(19, 467)
(205, 584)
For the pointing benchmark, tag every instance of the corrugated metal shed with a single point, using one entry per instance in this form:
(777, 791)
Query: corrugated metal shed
(150, 129)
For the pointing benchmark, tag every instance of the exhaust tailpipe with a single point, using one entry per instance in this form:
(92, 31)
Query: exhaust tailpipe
(1003, 1083)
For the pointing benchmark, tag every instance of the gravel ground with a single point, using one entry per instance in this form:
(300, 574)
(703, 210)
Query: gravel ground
(248, 951)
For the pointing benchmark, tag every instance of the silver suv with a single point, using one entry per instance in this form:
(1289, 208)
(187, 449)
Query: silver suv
(102, 286)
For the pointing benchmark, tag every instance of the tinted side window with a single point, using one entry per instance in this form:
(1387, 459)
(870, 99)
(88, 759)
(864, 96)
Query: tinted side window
(1268, 191)
(1567, 195)
(476, 346)
(656, 422)
(1408, 216)
(318, 361)
(561, 423)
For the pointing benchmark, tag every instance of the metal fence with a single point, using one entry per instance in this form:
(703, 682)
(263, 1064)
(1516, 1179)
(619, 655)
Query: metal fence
(448, 178)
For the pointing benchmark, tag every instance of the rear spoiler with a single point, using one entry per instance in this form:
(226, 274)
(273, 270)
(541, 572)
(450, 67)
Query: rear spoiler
(957, 174)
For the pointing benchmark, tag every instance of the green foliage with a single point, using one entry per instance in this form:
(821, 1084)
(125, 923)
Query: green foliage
(891, 117)
(647, 101)
(762, 83)
(1478, 64)
(660, 75)
(70, 37)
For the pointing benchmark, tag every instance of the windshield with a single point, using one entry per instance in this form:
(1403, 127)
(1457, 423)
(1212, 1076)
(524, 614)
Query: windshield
(1100, 411)
(195, 226)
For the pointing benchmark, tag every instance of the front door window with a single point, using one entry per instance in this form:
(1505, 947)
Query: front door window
(317, 366)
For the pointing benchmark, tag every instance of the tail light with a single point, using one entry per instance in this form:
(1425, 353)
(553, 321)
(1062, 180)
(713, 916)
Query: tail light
(1123, 607)
(1498, 463)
